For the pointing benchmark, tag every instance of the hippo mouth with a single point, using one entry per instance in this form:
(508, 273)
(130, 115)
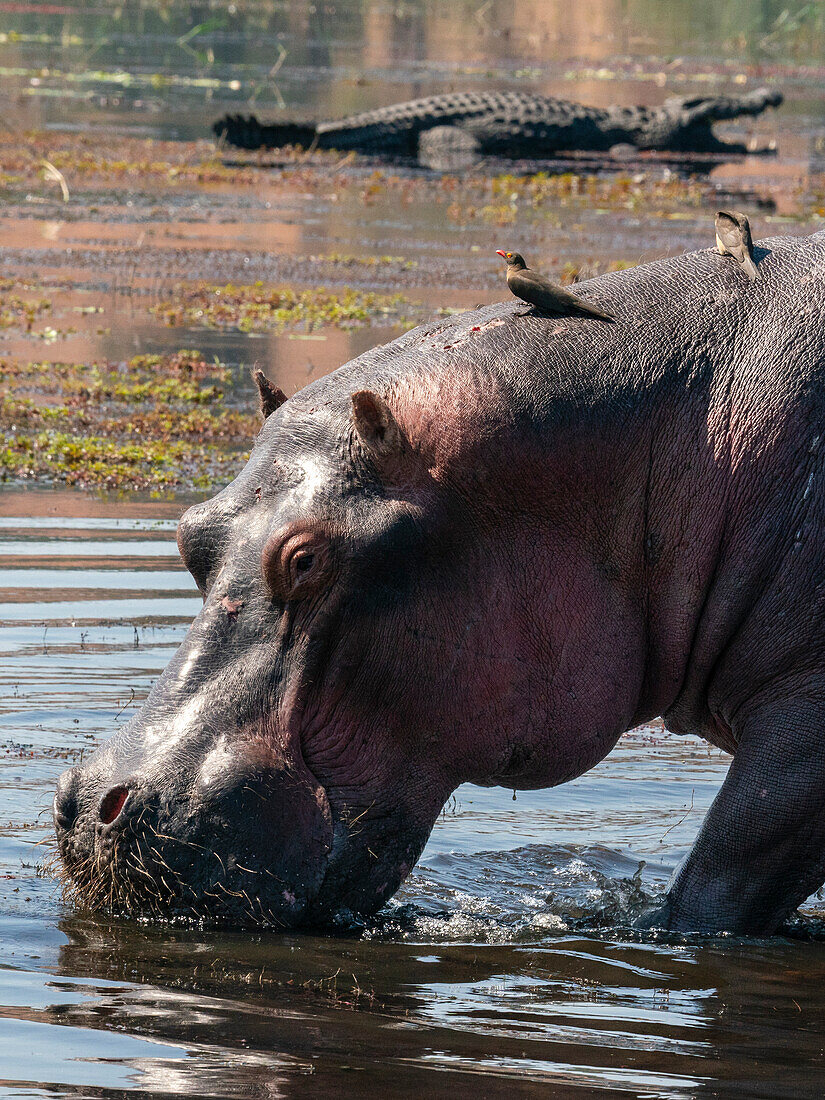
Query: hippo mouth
(227, 860)
(134, 856)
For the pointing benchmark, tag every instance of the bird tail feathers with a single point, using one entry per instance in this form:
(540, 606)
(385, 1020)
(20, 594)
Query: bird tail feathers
(592, 311)
(750, 267)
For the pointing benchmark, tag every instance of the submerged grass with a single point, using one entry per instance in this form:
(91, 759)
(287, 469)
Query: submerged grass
(154, 422)
(81, 160)
(166, 165)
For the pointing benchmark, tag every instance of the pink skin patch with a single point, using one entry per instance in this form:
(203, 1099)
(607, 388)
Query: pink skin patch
(231, 607)
(288, 897)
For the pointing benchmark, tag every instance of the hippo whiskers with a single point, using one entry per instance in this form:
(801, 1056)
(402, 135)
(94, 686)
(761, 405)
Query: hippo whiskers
(135, 877)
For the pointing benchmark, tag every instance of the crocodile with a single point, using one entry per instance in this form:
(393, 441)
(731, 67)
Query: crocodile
(507, 124)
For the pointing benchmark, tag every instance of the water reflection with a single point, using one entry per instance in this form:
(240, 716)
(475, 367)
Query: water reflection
(169, 69)
(677, 1019)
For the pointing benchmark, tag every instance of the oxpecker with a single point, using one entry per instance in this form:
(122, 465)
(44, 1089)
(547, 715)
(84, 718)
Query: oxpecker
(541, 293)
(733, 238)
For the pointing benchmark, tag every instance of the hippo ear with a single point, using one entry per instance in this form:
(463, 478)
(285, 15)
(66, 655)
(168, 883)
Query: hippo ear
(375, 425)
(271, 398)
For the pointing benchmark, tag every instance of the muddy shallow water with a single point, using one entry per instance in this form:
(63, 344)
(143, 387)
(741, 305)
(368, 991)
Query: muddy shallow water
(506, 965)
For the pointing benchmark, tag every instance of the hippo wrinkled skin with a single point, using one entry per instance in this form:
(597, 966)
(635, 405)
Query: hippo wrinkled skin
(479, 554)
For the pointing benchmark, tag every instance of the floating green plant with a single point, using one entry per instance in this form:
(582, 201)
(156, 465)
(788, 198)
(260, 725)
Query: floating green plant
(153, 422)
(17, 311)
(261, 308)
(504, 199)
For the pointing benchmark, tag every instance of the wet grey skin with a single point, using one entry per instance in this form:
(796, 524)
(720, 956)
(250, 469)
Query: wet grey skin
(544, 295)
(507, 124)
(733, 238)
(478, 554)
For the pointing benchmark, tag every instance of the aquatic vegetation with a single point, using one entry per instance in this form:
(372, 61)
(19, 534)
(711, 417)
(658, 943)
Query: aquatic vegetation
(799, 33)
(79, 159)
(347, 259)
(96, 460)
(508, 196)
(153, 422)
(17, 311)
(261, 308)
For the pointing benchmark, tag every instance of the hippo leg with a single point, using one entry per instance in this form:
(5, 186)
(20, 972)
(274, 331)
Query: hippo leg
(761, 849)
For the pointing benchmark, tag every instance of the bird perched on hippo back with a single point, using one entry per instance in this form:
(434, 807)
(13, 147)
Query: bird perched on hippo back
(544, 295)
(733, 238)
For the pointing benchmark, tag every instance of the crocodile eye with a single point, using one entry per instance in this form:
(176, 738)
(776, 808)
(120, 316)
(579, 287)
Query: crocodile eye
(298, 562)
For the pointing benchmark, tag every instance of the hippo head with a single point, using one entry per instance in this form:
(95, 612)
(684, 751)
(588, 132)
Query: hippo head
(288, 765)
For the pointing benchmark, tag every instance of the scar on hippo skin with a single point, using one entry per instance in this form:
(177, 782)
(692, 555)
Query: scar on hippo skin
(271, 397)
(375, 425)
(231, 607)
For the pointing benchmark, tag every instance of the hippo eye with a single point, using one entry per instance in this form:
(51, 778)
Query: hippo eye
(296, 563)
(300, 564)
(304, 562)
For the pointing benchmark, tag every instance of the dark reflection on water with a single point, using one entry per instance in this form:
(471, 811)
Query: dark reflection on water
(243, 1014)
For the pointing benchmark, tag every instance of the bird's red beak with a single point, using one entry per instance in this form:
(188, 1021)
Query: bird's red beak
(502, 254)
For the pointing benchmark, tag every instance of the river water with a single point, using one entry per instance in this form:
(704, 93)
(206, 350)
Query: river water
(507, 965)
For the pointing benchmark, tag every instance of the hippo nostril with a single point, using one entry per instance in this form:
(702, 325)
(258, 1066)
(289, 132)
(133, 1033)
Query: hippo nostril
(66, 807)
(112, 803)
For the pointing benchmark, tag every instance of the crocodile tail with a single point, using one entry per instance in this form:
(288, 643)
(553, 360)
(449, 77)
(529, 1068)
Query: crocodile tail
(246, 132)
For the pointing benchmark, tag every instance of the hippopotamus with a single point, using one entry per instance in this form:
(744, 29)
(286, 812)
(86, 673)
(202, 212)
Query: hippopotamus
(478, 554)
